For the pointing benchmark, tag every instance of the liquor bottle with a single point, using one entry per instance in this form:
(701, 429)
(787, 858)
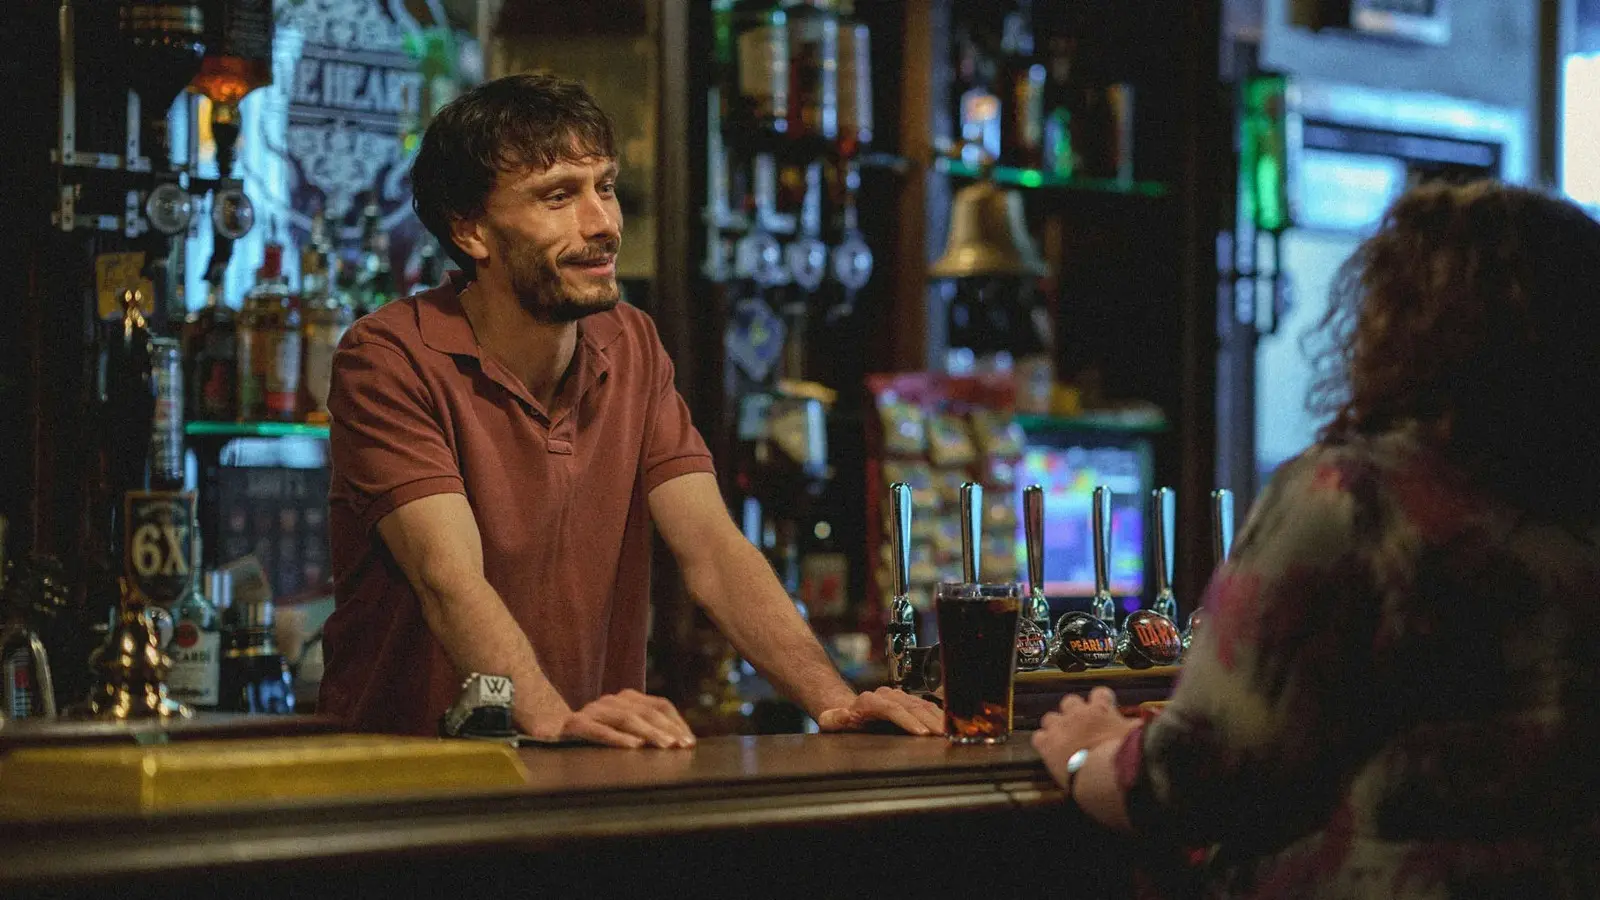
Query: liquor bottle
(980, 114)
(759, 112)
(196, 647)
(211, 372)
(375, 280)
(254, 677)
(163, 43)
(325, 319)
(1059, 155)
(1023, 84)
(855, 83)
(269, 346)
(813, 73)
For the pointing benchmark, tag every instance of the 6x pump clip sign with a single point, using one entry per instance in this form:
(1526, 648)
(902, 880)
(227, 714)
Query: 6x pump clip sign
(158, 543)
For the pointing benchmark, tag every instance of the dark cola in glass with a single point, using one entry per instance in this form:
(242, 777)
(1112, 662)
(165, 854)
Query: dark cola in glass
(978, 654)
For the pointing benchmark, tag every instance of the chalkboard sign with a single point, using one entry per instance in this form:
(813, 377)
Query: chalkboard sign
(280, 515)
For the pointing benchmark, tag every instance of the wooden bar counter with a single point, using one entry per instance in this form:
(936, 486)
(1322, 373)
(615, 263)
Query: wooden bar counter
(781, 815)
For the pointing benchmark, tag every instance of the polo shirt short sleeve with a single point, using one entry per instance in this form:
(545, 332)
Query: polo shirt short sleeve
(390, 448)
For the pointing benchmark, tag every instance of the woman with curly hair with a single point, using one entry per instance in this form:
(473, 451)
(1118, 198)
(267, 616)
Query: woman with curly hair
(1397, 689)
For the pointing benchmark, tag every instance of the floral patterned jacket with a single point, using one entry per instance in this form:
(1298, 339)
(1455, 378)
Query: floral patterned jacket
(1396, 693)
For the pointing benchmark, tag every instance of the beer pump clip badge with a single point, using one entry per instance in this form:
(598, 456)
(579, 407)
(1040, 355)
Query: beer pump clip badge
(158, 543)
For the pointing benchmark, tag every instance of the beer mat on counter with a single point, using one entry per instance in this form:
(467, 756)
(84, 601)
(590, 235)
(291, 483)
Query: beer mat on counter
(57, 781)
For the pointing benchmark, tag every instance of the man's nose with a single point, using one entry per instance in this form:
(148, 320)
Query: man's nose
(599, 218)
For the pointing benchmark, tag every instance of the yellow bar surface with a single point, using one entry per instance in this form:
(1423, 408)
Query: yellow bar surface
(121, 780)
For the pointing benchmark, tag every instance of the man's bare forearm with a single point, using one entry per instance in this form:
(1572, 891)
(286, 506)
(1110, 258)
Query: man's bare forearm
(479, 634)
(746, 601)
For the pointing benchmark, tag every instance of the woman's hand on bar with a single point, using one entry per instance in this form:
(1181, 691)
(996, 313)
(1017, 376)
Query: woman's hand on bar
(1079, 724)
(629, 719)
(913, 715)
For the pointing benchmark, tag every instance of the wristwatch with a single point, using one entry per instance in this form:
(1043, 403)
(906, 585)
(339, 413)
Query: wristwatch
(1074, 764)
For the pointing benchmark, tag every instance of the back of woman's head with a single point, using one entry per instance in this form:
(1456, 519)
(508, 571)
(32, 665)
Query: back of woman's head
(1476, 308)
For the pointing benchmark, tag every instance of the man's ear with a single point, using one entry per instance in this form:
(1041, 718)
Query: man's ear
(471, 236)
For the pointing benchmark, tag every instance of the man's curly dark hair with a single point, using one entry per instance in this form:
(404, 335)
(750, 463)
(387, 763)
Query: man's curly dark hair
(1475, 311)
(505, 125)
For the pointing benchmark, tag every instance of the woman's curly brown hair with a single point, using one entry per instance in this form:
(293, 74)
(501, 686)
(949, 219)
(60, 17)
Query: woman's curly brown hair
(1475, 310)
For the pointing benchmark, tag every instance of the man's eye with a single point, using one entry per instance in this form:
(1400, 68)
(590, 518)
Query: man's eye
(557, 197)
(608, 188)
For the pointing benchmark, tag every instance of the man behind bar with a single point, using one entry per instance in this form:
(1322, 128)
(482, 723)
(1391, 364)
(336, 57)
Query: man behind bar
(501, 445)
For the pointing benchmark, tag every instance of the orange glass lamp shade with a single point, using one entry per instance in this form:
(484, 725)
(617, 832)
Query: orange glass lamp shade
(227, 79)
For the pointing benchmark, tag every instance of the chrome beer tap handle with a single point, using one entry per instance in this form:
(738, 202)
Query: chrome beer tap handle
(1033, 626)
(1103, 606)
(1221, 544)
(1221, 525)
(1038, 608)
(971, 531)
(1163, 508)
(901, 632)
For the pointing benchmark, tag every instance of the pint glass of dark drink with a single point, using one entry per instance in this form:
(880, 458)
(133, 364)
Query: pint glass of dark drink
(978, 651)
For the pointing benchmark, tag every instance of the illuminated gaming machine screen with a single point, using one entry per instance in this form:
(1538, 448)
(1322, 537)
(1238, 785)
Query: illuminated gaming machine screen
(1069, 475)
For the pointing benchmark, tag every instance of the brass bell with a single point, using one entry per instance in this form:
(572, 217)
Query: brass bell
(988, 236)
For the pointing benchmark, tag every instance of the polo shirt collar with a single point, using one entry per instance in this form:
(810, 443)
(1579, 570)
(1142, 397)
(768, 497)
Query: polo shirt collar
(442, 322)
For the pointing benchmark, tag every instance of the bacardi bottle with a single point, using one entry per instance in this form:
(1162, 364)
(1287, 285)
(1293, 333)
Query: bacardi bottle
(196, 646)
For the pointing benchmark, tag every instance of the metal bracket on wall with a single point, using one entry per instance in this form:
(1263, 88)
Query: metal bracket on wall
(67, 138)
(136, 162)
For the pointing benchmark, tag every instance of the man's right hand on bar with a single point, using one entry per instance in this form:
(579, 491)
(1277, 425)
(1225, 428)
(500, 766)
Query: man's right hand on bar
(627, 719)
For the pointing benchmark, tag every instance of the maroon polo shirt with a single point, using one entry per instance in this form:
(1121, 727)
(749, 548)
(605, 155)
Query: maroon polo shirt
(558, 494)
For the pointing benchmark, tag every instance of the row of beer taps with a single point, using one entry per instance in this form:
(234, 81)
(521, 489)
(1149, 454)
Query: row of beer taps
(1077, 640)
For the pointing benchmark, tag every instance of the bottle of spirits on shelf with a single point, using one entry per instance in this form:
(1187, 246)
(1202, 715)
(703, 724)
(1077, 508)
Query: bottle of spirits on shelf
(1057, 151)
(375, 282)
(979, 111)
(813, 74)
(270, 346)
(1023, 85)
(254, 676)
(855, 83)
(196, 646)
(325, 319)
(163, 41)
(210, 352)
(759, 112)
